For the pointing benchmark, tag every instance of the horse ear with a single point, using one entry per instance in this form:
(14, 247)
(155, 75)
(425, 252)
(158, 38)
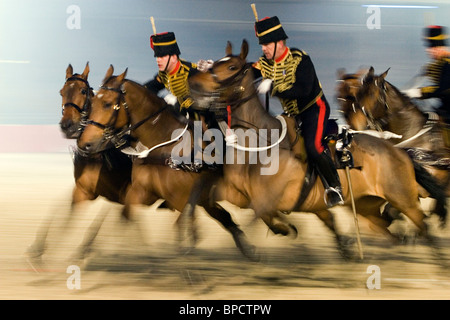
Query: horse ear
(109, 73)
(69, 71)
(229, 49)
(86, 71)
(340, 73)
(385, 73)
(369, 75)
(244, 50)
(121, 77)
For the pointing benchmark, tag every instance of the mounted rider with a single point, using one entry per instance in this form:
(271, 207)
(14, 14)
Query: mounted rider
(173, 72)
(289, 74)
(438, 71)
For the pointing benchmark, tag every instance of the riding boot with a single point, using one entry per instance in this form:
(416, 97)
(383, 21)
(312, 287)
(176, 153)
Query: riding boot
(330, 179)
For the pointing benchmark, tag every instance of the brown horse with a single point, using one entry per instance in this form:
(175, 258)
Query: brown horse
(106, 174)
(123, 105)
(76, 100)
(378, 105)
(229, 87)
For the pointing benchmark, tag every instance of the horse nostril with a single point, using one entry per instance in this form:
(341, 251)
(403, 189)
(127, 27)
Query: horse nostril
(66, 124)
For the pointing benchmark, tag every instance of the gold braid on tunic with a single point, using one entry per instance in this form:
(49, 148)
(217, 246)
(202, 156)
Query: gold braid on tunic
(283, 76)
(177, 84)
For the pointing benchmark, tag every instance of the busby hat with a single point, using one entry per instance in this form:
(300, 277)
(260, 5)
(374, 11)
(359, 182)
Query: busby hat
(269, 30)
(435, 36)
(164, 44)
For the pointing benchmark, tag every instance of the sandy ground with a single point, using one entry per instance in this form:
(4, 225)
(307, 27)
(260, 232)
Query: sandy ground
(36, 187)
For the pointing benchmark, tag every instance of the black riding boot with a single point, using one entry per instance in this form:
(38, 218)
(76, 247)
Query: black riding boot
(330, 179)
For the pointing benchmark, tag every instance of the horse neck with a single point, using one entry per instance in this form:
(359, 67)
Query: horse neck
(141, 105)
(404, 116)
(252, 111)
(254, 116)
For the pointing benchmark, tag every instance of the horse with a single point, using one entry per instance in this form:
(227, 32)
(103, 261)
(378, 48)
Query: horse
(376, 178)
(125, 106)
(380, 106)
(106, 174)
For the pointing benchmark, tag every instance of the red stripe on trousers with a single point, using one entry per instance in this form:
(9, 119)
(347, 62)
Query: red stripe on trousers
(319, 133)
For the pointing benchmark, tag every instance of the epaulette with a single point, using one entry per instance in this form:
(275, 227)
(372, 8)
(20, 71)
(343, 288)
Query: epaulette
(257, 65)
(298, 52)
(188, 65)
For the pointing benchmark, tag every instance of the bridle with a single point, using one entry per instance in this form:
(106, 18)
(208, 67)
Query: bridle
(222, 108)
(87, 103)
(120, 136)
(372, 123)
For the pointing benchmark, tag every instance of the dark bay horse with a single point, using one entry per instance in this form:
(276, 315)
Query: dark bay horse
(106, 174)
(229, 86)
(122, 105)
(379, 105)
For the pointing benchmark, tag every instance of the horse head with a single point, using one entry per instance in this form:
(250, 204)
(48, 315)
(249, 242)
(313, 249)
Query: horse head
(108, 114)
(76, 96)
(347, 87)
(223, 83)
(372, 98)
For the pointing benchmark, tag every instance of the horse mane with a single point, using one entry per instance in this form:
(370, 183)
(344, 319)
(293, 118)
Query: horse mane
(150, 94)
(404, 98)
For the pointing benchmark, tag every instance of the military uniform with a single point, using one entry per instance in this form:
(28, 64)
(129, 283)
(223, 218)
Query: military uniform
(176, 82)
(438, 71)
(295, 83)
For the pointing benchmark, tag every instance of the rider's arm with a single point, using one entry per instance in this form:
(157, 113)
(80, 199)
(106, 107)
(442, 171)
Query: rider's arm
(154, 85)
(441, 90)
(305, 83)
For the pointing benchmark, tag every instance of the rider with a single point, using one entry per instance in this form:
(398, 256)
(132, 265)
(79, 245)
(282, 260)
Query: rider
(438, 71)
(173, 72)
(289, 74)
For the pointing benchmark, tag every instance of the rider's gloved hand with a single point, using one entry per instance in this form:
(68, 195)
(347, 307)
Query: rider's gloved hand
(204, 65)
(265, 86)
(413, 93)
(171, 99)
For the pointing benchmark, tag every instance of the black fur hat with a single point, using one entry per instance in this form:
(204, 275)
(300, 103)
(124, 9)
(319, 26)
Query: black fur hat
(435, 36)
(164, 44)
(269, 30)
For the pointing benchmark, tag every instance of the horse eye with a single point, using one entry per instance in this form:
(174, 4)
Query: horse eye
(232, 67)
(107, 105)
(83, 91)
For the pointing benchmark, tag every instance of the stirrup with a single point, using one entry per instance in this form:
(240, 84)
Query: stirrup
(337, 192)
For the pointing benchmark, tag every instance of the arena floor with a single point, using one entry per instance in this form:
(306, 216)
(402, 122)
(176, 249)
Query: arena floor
(36, 187)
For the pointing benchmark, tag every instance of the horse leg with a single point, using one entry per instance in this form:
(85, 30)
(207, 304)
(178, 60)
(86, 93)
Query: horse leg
(90, 235)
(369, 207)
(277, 223)
(186, 219)
(38, 247)
(221, 215)
(342, 241)
(135, 198)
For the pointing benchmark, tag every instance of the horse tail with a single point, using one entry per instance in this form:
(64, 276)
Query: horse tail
(429, 183)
